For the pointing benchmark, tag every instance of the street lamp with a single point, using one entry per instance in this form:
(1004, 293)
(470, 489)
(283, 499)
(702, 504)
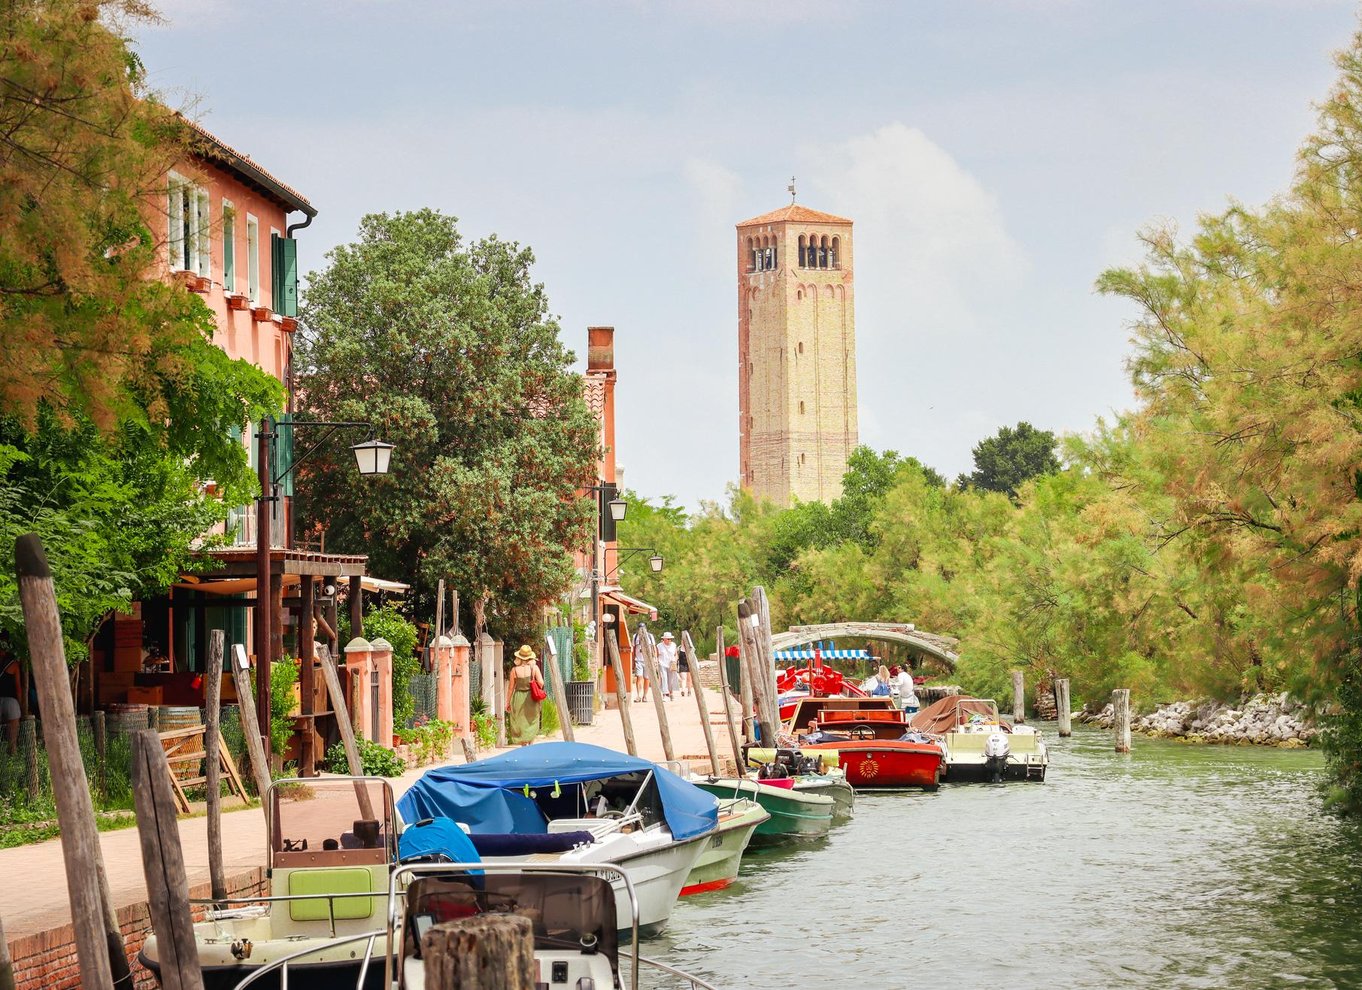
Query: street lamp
(371, 457)
(655, 562)
(617, 507)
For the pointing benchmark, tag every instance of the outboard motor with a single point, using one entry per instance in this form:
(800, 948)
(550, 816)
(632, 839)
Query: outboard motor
(772, 771)
(997, 748)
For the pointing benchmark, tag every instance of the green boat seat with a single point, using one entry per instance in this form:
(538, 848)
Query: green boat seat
(350, 880)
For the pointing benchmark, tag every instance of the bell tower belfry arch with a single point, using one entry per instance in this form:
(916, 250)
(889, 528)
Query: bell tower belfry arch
(796, 354)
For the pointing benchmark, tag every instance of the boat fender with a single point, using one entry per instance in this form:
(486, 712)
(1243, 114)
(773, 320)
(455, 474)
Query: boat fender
(241, 949)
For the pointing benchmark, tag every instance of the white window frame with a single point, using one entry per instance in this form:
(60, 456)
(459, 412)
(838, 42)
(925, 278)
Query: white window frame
(253, 259)
(228, 246)
(175, 192)
(203, 231)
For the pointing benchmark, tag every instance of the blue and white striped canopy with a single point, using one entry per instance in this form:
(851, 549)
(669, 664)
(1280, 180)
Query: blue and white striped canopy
(807, 654)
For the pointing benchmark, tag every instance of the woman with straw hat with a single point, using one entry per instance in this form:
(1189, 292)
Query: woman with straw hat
(522, 705)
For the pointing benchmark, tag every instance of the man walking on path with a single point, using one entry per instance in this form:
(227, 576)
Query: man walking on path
(666, 663)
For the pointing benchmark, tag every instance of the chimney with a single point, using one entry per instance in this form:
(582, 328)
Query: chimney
(600, 348)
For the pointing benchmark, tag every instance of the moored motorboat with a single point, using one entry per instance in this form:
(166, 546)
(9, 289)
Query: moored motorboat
(874, 743)
(812, 773)
(793, 814)
(980, 744)
(330, 846)
(718, 865)
(577, 804)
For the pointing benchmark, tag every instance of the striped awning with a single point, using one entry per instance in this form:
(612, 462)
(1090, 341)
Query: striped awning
(807, 654)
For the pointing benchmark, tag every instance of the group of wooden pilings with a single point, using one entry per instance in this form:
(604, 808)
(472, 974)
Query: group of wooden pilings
(1120, 701)
(101, 957)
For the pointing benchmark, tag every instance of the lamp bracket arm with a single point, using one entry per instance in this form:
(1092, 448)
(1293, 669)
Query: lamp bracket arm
(332, 430)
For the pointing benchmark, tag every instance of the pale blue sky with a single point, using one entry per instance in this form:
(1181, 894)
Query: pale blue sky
(996, 156)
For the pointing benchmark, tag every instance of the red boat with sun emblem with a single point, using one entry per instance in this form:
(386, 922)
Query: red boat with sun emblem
(875, 746)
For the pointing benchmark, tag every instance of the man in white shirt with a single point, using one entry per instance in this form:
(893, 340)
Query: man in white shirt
(666, 664)
(902, 683)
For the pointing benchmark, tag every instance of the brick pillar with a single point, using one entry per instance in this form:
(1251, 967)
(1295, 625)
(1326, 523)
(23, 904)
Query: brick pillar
(459, 712)
(383, 661)
(359, 666)
(442, 659)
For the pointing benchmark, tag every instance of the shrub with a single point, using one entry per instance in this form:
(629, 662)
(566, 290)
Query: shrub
(548, 717)
(375, 760)
(485, 729)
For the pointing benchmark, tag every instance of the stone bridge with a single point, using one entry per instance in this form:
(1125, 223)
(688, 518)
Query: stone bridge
(940, 647)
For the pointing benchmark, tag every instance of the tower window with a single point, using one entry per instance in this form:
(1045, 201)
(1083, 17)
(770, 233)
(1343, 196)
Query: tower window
(823, 252)
(803, 252)
(836, 250)
(801, 347)
(801, 407)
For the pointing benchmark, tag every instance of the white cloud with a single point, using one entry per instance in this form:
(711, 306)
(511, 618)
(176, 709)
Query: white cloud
(929, 238)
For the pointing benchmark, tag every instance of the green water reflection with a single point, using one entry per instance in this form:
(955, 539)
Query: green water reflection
(1174, 866)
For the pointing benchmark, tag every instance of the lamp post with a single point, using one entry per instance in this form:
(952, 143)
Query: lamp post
(372, 457)
(617, 507)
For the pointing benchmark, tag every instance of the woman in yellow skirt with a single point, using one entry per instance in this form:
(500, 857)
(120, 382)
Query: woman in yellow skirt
(522, 708)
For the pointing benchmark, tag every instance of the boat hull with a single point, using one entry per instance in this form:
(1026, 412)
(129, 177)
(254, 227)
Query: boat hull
(834, 786)
(880, 764)
(793, 814)
(718, 865)
(322, 975)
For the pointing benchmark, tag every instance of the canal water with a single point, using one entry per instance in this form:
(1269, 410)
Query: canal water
(1175, 866)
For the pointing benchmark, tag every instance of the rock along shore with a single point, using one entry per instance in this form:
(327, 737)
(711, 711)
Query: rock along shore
(1263, 720)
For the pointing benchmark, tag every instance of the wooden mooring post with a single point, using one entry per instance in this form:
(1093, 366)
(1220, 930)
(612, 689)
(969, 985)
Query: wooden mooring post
(1120, 718)
(1018, 697)
(347, 730)
(163, 865)
(28, 742)
(701, 703)
(99, 942)
(559, 692)
(485, 952)
(754, 671)
(734, 733)
(612, 649)
(250, 724)
(212, 769)
(1062, 709)
(647, 648)
(6, 963)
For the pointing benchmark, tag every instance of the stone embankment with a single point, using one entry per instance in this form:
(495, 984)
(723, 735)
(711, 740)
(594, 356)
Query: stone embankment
(1263, 720)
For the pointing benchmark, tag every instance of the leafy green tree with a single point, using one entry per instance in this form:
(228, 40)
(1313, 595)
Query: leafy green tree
(1012, 456)
(449, 350)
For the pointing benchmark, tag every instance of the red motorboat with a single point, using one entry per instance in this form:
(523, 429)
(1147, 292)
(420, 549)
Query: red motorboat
(874, 744)
(795, 684)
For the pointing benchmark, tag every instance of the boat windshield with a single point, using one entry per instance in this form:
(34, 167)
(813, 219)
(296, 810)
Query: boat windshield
(331, 821)
(573, 912)
(611, 797)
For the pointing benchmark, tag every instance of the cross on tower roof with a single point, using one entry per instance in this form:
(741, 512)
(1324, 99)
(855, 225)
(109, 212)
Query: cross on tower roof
(791, 187)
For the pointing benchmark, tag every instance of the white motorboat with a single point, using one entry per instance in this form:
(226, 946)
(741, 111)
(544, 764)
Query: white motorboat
(578, 805)
(980, 744)
(331, 844)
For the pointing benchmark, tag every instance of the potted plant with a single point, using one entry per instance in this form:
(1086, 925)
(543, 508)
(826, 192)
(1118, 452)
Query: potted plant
(237, 301)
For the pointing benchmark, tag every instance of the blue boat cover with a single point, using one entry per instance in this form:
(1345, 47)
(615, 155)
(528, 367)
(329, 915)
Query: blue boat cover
(437, 835)
(488, 795)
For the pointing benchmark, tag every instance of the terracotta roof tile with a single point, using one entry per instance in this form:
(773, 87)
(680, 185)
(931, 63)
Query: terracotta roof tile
(224, 153)
(796, 214)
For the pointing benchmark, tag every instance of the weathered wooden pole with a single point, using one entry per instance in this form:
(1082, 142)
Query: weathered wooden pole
(347, 730)
(648, 649)
(1018, 697)
(307, 679)
(753, 672)
(555, 674)
(356, 607)
(612, 649)
(701, 703)
(70, 789)
(163, 864)
(499, 679)
(6, 963)
(212, 758)
(734, 735)
(1062, 706)
(250, 728)
(1120, 718)
(767, 653)
(485, 952)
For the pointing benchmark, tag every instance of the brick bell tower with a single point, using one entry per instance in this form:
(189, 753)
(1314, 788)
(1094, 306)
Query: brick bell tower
(796, 354)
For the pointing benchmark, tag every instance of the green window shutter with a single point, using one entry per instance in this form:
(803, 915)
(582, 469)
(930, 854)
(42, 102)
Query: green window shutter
(284, 254)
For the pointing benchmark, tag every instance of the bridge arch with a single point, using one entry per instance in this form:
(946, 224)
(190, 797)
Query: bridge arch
(940, 647)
